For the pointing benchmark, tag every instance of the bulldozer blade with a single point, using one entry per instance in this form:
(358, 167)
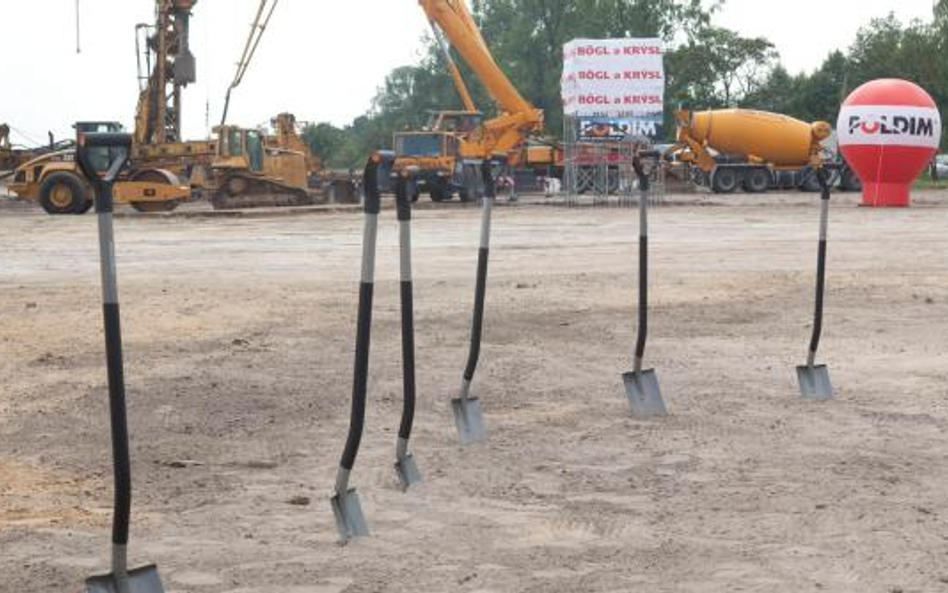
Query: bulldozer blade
(814, 381)
(469, 418)
(350, 522)
(140, 580)
(644, 394)
(407, 471)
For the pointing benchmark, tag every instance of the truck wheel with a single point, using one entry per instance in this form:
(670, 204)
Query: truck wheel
(63, 192)
(439, 191)
(756, 181)
(725, 180)
(85, 207)
(469, 182)
(810, 183)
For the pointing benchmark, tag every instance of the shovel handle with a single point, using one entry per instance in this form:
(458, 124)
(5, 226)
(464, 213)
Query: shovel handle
(364, 327)
(483, 258)
(119, 145)
(642, 337)
(403, 192)
(822, 177)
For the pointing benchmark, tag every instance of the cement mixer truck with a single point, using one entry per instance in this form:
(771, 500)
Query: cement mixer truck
(755, 150)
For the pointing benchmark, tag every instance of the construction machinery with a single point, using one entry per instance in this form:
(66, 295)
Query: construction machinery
(55, 181)
(445, 155)
(13, 155)
(238, 168)
(757, 151)
(334, 186)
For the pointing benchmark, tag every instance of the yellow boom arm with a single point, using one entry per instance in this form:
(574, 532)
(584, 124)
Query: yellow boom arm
(519, 117)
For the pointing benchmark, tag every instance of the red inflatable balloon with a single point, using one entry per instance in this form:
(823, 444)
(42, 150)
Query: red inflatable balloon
(889, 130)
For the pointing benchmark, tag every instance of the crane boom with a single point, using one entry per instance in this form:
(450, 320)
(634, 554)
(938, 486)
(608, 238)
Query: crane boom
(453, 70)
(455, 21)
(253, 40)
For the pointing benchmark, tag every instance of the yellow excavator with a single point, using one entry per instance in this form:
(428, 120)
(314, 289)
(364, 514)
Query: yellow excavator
(446, 155)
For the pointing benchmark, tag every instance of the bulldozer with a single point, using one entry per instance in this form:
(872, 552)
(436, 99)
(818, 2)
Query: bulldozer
(334, 186)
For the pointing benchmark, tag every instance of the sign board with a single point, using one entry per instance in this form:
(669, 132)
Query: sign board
(619, 83)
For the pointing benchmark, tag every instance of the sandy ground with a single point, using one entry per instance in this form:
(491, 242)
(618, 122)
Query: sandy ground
(239, 338)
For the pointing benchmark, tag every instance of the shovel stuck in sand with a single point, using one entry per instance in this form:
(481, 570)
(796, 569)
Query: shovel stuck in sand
(468, 413)
(121, 579)
(641, 385)
(814, 378)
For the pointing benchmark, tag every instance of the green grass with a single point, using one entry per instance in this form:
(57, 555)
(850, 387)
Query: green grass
(925, 182)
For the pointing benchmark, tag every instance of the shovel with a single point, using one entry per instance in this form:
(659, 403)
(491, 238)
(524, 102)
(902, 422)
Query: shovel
(641, 385)
(814, 378)
(350, 522)
(405, 466)
(121, 579)
(468, 414)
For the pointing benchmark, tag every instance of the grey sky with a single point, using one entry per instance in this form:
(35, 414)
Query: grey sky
(320, 59)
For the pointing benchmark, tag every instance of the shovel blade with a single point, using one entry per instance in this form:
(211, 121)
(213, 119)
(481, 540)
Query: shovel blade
(140, 580)
(469, 418)
(350, 522)
(407, 471)
(814, 382)
(644, 394)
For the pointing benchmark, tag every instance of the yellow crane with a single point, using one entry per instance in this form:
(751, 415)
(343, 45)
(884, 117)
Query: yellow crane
(445, 156)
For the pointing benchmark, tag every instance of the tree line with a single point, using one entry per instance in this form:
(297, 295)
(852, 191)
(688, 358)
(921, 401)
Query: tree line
(707, 66)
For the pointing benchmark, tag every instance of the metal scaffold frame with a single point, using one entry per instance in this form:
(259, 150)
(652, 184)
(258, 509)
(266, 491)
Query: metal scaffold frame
(601, 172)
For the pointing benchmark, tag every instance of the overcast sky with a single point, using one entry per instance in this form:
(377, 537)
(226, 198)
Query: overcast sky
(320, 59)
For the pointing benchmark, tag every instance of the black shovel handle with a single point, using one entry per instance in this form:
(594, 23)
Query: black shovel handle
(372, 201)
(822, 177)
(642, 337)
(119, 145)
(480, 290)
(403, 192)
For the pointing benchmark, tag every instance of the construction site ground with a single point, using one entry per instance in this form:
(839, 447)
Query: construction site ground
(239, 334)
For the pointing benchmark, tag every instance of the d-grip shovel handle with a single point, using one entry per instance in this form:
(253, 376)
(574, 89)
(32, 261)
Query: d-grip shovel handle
(121, 144)
(644, 185)
(372, 206)
(102, 183)
(483, 259)
(403, 191)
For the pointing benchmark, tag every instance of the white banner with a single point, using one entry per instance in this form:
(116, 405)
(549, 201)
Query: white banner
(890, 125)
(614, 78)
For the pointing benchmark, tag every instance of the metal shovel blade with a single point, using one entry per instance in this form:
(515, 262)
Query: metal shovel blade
(815, 382)
(140, 580)
(349, 518)
(469, 418)
(407, 471)
(644, 394)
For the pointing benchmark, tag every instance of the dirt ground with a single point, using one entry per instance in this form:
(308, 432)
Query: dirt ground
(239, 338)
